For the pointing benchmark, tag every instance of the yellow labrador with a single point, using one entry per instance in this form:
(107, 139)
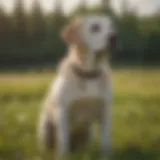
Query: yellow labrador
(82, 91)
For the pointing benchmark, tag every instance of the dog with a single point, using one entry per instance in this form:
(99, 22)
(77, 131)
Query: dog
(82, 92)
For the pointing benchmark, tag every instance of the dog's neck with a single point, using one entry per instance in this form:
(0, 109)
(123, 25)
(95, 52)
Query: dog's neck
(77, 61)
(83, 58)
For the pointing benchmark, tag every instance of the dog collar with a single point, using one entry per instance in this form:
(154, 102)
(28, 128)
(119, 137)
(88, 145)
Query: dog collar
(86, 74)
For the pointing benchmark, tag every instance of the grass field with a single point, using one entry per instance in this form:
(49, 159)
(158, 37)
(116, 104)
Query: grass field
(136, 116)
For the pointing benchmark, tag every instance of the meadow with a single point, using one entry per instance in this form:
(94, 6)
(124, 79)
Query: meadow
(136, 115)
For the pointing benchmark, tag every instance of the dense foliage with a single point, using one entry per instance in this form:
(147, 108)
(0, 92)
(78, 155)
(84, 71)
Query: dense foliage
(32, 38)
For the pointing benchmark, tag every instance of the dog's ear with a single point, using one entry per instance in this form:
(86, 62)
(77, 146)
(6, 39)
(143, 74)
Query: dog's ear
(69, 34)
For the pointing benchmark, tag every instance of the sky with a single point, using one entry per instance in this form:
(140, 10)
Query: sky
(144, 7)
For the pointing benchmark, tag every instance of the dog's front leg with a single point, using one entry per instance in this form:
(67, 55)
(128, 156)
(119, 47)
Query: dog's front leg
(63, 131)
(62, 99)
(105, 131)
(106, 126)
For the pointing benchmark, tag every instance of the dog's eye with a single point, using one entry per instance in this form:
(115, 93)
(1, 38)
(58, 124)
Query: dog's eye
(95, 28)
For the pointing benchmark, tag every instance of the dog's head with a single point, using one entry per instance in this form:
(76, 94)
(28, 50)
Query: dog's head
(96, 33)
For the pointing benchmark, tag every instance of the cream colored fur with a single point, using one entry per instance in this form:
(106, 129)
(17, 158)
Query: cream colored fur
(73, 102)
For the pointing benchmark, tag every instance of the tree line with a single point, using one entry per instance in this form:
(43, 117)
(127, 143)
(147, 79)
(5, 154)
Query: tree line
(31, 39)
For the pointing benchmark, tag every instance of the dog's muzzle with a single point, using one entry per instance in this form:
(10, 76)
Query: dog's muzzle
(111, 45)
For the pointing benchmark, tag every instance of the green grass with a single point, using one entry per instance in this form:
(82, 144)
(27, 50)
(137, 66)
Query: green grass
(136, 115)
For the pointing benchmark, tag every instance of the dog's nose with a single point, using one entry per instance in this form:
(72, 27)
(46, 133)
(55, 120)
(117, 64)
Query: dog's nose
(112, 41)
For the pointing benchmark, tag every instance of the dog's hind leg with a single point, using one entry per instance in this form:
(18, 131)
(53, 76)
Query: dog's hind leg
(79, 138)
(47, 132)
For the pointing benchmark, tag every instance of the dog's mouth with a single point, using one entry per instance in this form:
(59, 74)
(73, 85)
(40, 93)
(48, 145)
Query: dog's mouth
(112, 43)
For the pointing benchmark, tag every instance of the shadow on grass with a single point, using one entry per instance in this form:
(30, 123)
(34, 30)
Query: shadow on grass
(136, 153)
(128, 153)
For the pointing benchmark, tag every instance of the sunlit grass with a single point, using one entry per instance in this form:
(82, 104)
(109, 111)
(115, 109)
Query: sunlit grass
(136, 120)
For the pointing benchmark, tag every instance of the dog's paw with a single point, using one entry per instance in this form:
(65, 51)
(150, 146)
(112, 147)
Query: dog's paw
(106, 152)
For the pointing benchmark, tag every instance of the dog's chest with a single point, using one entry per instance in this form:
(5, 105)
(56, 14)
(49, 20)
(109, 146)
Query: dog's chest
(87, 104)
(90, 89)
(86, 110)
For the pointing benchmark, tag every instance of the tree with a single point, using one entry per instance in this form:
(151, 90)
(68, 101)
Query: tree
(5, 36)
(106, 4)
(57, 22)
(20, 22)
(152, 47)
(58, 17)
(38, 23)
(80, 10)
(5, 27)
